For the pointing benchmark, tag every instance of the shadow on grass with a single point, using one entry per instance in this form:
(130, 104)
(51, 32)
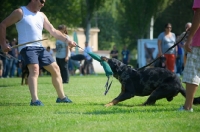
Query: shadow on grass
(13, 104)
(7, 86)
(120, 109)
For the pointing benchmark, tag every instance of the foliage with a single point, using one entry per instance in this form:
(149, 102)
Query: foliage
(178, 14)
(120, 21)
(72, 13)
(87, 112)
(63, 12)
(88, 8)
(134, 18)
(106, 21)
(7, 6)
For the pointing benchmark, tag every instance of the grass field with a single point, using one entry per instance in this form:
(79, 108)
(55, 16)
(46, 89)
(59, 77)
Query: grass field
(87, 112)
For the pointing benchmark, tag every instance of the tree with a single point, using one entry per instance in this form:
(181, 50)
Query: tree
(134, 18)
(178, 14)
(88, 8)
(105, 20)
(62, 12)
(7, 6)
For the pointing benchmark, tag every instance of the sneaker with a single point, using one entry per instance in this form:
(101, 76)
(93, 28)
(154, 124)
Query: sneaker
(65, 100)
(36, 103)
(182, 109)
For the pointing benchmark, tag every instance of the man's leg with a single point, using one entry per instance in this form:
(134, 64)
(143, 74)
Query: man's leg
(32, 80)
(190, 92)
(56, 79)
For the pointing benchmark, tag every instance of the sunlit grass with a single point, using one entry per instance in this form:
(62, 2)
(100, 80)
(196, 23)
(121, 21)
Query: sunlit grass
(87, 112)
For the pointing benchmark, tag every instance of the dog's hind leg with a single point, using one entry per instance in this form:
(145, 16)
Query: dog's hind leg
(156, 95)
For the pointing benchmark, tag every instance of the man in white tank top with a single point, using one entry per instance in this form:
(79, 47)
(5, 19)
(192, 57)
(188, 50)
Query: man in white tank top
(30, 23)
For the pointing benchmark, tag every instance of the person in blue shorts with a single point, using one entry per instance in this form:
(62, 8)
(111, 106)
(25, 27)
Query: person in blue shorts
(29, 23)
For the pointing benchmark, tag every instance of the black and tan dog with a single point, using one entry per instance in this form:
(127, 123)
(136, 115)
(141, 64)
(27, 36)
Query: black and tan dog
(157, 82)
(25, 73)
(161, 62)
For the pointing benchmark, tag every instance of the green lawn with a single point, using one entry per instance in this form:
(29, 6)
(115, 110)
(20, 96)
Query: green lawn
(87, 112)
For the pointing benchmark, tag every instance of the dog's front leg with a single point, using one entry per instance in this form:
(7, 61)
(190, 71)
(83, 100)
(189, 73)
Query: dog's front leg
(123, 96)
(114, 101)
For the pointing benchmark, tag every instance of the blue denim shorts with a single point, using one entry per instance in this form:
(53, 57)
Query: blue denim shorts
(36, 55)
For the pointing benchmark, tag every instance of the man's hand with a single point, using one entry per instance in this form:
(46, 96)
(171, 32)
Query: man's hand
(66, 58)
(72, 44)
(187, 45)
(5, 48)
(159, 54)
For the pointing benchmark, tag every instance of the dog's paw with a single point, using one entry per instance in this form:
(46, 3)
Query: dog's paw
(109, 104)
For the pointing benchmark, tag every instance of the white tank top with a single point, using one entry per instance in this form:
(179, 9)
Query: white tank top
(30, 28)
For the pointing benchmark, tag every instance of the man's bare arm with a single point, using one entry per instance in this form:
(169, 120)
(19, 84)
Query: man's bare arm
(194, 28)
(14, 17)
(56, 33)
(195, 23)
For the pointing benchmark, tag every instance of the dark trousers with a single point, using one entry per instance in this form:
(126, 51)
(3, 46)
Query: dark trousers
(64, 71)
(87, 66)
(179, 64)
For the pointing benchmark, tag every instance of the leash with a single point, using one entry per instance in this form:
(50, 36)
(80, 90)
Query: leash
(107, 86)
(164, 52)
(16, 46)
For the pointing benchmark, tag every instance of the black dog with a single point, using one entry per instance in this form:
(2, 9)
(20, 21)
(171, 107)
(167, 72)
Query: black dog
(196, 101)
(161, 62)
(157, 82)
(25, 73)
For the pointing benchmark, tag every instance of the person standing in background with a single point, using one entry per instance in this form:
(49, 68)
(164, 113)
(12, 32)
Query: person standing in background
(6, 62)
(88, 66)
(187, 29)
(63, 54)
(191, 73)
(166, 40)
(125, 55)
(114, 52)
(13, 61)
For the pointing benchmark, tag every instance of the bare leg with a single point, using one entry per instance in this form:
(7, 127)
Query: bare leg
(56, 79)
(32, 80)
(190, 92)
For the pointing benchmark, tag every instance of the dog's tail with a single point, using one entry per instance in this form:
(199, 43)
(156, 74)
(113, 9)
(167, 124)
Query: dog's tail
(196, 101)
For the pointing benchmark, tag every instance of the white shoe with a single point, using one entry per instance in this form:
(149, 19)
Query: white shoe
(182, 109)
